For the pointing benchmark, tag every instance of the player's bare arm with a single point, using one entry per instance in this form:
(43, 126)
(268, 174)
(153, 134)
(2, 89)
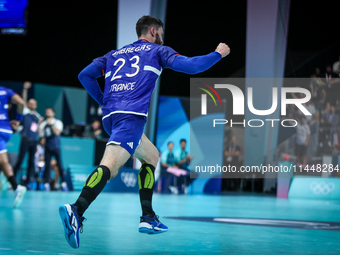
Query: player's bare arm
(16, 99)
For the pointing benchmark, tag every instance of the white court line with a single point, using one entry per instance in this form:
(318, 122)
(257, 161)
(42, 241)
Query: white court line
(35, 251)
(5, 249)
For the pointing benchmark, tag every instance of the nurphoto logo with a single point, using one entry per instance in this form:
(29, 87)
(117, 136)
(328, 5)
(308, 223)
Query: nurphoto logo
(238, 101)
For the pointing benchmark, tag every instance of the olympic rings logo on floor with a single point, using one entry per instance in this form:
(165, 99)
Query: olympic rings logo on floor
(322, 187)
(129, 179)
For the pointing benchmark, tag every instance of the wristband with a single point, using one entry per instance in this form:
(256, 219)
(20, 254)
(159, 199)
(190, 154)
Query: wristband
(19, 117)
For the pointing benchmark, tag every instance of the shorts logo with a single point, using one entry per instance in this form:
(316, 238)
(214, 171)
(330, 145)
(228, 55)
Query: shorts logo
(130, 144)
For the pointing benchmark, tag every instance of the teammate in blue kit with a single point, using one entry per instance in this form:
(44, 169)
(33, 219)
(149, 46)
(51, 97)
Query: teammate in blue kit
(7, 96)
(130, 76)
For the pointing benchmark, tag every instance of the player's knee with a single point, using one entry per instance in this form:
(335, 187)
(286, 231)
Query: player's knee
(113, 172)
(154, 156)
(3, 162)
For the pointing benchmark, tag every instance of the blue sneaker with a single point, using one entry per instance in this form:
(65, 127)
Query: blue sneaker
(72, 223)
(64, 186)
(152, 225)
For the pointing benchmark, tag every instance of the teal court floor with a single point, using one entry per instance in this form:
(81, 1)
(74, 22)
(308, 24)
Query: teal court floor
(198, 224)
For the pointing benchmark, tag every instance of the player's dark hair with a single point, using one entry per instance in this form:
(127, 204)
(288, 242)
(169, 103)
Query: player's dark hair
(182, 140)
(144, 23)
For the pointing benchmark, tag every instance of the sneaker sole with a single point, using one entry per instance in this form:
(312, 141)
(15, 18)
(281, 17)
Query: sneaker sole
(71, 238)
(151, 231)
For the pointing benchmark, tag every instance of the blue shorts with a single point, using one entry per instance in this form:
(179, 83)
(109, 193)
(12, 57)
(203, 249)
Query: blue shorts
(125, 130)
(4, 138)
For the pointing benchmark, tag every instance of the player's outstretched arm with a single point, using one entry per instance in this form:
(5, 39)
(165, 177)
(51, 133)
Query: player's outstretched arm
(88, 78)
(198, 64)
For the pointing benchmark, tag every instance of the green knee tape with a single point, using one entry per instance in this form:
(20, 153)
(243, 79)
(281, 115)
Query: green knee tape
(146, 180)
(139, 180)
(95, 178)
(94, 184)
(149, 179)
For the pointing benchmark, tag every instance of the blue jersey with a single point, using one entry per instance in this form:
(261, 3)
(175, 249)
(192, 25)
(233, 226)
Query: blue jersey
(130, 76)
(5, 98)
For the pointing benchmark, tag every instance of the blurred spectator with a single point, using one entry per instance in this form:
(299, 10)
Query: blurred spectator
(325, 114)
(168, 157)
(318, 93)
(290, 111)
(29, 134)
(332, 91)
(183, 160)
(39, 156)
(51, 129)
(231, 155)
(325, 126)
(333, 120)
(168, 160)
(302, 139)
(182, 157)
(336, 67)
(94, 131)
(317, 74)
(336, 153)
(40, 163)
(311, 108)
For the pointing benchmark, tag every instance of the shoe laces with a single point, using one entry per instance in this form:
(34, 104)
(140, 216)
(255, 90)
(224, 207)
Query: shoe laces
(156, 217)
(81, 220)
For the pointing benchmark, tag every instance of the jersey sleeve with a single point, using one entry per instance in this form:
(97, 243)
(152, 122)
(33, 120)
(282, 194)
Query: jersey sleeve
(88, 78)
(101, 62)
(197, 64)
(166, 56)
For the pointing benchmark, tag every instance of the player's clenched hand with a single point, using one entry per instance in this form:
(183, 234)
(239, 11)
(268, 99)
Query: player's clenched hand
(223, 49)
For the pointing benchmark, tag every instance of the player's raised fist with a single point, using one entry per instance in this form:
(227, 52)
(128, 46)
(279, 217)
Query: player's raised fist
(27, 84)
(223, 49)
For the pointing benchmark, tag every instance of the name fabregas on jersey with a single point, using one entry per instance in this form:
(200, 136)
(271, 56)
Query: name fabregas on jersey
(132, 49)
